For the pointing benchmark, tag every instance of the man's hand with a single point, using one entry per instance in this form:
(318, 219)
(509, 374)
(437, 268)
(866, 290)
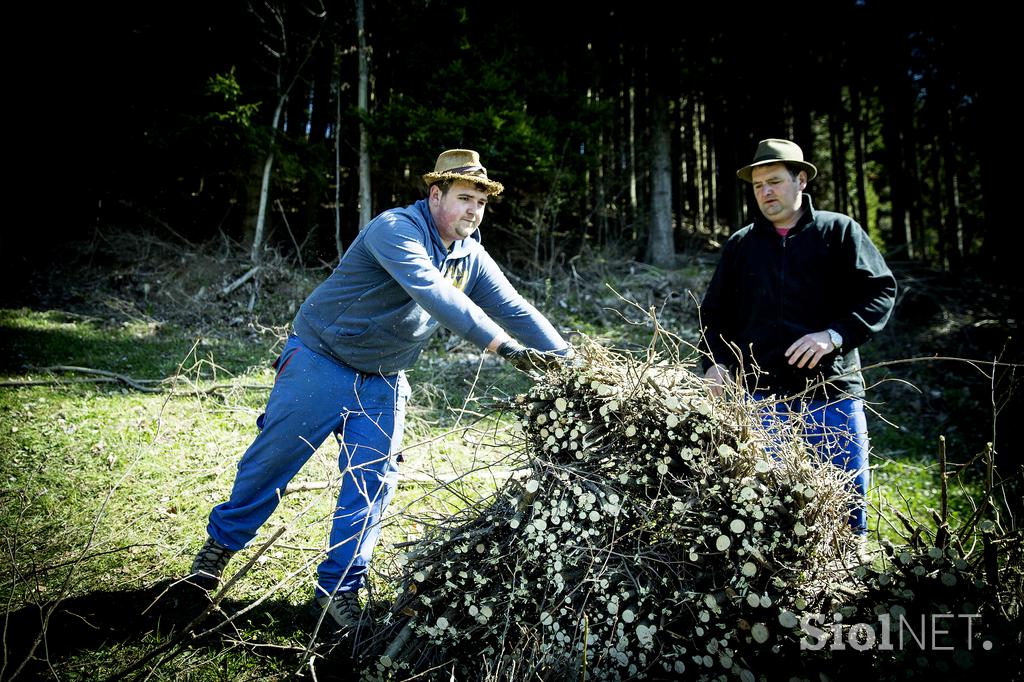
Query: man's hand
(717, 375)
(809, 349)
(530, 359)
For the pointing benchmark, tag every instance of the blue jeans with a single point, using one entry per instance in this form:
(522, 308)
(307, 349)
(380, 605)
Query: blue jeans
(313, 397)
(837, 430)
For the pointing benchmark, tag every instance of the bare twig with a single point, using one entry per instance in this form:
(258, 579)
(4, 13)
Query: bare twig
(173, 645)
(284, 217)
(144, 385)
(250, 273)
(137, 384)
(942, 523)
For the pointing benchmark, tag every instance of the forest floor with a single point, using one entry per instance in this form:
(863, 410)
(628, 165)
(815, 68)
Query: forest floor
(133, 368)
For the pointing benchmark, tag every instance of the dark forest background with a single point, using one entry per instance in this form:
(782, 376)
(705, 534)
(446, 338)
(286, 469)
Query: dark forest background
(182, 174)
(614, 125)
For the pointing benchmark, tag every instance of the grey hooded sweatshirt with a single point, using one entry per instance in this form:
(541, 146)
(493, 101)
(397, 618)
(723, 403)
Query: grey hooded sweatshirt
(397, 282)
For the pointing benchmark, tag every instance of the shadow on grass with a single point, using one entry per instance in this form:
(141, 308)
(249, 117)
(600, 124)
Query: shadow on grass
(36, 339)
(39, 637)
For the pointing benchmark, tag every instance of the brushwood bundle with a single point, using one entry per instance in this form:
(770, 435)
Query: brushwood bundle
(657, 531)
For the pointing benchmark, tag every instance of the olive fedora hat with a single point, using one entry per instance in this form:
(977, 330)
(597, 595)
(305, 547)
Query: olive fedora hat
(462, 164)
(774, 150)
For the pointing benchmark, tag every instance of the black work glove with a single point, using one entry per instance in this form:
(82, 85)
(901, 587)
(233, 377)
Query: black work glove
(530, 359)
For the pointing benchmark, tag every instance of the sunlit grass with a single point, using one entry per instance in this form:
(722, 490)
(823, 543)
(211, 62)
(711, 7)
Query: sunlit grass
(107, 488)
(117, 484)
(137, 348)
(907, 477)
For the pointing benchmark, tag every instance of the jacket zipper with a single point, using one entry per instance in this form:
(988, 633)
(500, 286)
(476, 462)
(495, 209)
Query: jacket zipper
(782, 281)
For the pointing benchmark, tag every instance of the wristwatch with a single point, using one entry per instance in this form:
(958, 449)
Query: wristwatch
(836, 337)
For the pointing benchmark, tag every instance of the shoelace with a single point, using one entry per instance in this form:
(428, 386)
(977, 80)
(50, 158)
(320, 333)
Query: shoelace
(344, 608)
(212, 559)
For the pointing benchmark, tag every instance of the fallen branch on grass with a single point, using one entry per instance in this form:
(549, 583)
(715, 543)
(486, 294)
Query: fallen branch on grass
(144, 385)
(137, 384)
(57, 382)
(240, 281)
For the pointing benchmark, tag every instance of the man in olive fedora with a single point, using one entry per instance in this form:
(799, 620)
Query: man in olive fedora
(794, 295)
(342, 370)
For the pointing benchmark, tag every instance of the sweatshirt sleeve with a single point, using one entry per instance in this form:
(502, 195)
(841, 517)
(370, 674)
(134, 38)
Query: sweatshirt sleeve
(872, 290)
(496, 295)
(400, 249)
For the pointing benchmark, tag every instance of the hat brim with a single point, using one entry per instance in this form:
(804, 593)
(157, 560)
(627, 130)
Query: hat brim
(746, 172)
(493, 187)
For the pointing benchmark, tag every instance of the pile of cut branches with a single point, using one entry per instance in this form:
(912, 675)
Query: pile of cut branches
(947, 602)
(656, 532)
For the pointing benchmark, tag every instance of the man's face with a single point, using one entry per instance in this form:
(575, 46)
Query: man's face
(778, 193)
(459, 212)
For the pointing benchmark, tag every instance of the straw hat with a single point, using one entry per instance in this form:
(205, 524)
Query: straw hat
(777, 151)
(462, 164)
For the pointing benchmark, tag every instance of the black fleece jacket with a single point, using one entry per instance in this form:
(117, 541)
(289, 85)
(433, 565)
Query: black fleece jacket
(768, 291)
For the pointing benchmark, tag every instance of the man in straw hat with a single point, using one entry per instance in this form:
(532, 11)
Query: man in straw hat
(794, 294)
(342, 371)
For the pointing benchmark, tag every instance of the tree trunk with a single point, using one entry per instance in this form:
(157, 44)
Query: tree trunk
(284, 84)
(712, 165)
(586, 196)
(918, 247)
(893, 116)
(660, 249)
(685, 157)
(338, 243)
(622, 153)
(629, 142)
(631, 145)
(938, 208)
(322, 90)
(699, 166)
(268, 165)
(365, 197)
(838, 154)
(600, 158)
(857, 115)
(601, 197)
(955, 224)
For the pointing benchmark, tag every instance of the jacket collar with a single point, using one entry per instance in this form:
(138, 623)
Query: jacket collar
(807, 217)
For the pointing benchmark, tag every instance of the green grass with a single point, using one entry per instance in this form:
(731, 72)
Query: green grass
(139, 348)
(913, 486)
(907, 476)
(105, 489)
